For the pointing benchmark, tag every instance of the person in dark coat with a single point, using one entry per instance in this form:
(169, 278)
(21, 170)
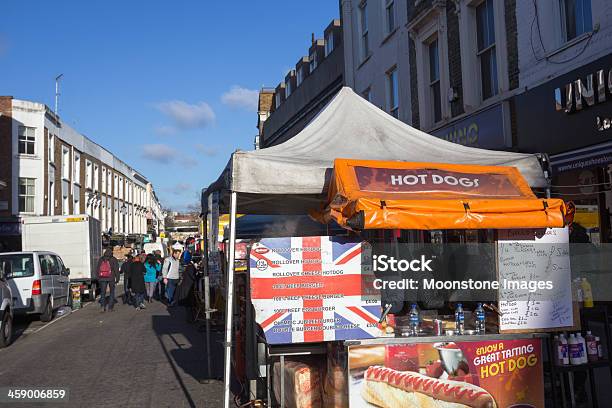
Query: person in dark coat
(108, 275)
(184, 291)
(137, 283)
(125, 271)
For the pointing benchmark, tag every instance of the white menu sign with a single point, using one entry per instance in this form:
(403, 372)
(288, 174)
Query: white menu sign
(535, 257)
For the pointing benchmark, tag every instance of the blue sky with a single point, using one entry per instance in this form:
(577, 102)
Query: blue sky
(169, 87)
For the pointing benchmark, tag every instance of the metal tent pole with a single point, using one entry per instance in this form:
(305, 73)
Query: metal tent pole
(206, 290)
(229, 300)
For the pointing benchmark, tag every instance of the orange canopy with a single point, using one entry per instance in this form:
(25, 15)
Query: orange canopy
(368, 194)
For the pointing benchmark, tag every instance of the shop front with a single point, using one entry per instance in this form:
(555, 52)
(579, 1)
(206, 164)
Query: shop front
(10, 234)
(570, 118)
(489, 128)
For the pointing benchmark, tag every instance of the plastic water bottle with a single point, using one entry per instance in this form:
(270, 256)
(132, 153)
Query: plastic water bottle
(459, 319)
(414, 320)
(480, 319)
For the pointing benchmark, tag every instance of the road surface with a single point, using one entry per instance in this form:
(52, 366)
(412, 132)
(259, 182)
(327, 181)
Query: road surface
(127, 358)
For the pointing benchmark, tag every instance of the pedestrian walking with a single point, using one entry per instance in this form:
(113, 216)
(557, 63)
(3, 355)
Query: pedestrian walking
(171, 275)
(108, 276)
(152, 269)
(158, 256)
(137, 283)
(160, 288)
(125, 271)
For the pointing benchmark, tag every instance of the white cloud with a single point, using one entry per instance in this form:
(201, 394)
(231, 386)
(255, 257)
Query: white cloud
(186, 115)
(165, 130)
(164, 154)
(243, 98)
(180, 189)
(188, 161)
(160, 153)
(206, 150)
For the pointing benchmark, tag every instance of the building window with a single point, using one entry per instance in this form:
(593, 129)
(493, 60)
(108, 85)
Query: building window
(76, 195)
(27, 140)
(277, 99)
(121, 188)
(313, 61)
(65, 205)
(104, 179)
(329, 43)
(51, 200)
(88, 174)
(50, 148)
(76, 174)
(299, 76)
(26, 194)
(65, 163)
(288, 88)
(576, 17)
(389, 15)
(485, 32)
(434, 80)
(96, 174)
(363, 19)
(393, 92)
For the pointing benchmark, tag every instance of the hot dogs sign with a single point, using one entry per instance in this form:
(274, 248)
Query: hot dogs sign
(374, 179)
(478, 374)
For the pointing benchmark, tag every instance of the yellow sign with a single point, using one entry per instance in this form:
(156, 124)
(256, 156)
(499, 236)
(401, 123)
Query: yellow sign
(75, 219)
(162, 234)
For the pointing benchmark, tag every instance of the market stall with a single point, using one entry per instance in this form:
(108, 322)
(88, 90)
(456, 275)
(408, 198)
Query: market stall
(299, 177)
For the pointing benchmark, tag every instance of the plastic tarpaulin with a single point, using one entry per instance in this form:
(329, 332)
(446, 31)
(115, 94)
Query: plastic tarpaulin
(292, 177)
(367, 194)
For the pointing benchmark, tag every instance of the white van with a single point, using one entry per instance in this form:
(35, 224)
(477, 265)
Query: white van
(39, 282)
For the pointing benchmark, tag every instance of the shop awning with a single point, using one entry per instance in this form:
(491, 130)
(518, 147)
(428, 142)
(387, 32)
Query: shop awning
(368, 194)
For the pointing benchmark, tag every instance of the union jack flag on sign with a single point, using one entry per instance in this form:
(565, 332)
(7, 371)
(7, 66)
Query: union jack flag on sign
(310, 289)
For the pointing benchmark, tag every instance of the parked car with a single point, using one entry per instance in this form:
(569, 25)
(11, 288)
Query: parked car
(39, 282)
(6, 307)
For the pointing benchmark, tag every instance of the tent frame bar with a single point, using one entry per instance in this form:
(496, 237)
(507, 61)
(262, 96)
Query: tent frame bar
(229, 305)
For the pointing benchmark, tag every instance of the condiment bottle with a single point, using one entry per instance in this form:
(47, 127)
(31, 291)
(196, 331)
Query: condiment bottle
(591, 347)
(587, 293)
(574, 350)
(599, 348)
(583, 351)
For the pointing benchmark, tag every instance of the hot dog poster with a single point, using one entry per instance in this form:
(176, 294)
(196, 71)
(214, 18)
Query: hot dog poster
(477, 374)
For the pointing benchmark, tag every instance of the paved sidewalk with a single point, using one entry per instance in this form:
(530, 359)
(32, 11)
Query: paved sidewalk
(127, 358)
